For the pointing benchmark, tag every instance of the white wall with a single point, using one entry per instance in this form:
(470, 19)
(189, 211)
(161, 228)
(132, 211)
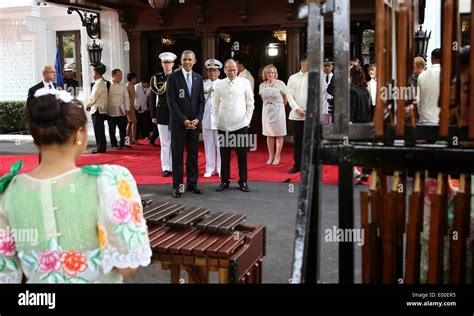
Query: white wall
(433, 22)
(465, 6)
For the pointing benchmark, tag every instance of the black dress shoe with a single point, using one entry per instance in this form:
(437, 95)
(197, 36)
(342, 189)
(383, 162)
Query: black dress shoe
(244, 187)
(96, 151)
(222, 186)
(176, 194)
(166, 173)
(294, 170)
(193, 189)
(115, 147)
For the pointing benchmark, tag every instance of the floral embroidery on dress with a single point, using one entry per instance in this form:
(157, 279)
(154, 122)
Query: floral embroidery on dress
(103, 237)
(125, 210)
(57, 266)
(73, 263)
(7, 253)
(136, 210)
(114, 174)
(124, 189)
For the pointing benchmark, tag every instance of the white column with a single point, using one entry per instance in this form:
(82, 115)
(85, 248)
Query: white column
(465, 6)
(114, 43)
(433, 24)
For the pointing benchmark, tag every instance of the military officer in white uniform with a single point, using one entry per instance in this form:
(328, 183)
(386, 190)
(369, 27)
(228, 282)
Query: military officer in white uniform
(209, 131)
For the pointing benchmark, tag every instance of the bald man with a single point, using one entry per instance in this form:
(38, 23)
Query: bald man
(49, 74)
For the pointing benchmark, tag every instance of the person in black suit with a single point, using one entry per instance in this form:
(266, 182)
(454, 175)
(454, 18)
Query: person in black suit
(185, 94)
(49, 74)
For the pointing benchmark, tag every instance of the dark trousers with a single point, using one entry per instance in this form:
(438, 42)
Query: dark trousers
(155, 134)
(182, 138)
(121, 123)
(143, 124)
(298, 130)
(99, 130)
(241, 150)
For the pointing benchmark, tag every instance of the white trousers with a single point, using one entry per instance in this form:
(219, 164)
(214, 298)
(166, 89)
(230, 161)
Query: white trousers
(165, 143)
(211, 148)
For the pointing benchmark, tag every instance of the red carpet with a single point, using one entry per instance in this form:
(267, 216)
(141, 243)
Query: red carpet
(144, 163)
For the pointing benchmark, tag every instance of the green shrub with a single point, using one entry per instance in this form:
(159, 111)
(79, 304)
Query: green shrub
(13, 117)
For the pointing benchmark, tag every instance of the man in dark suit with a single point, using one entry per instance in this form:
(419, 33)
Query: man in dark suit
(185, 94)
(49, 74)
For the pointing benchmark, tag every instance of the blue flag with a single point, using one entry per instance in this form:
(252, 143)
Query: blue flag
(59, 70)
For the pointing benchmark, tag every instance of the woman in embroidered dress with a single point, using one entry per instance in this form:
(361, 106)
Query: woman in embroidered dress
(64, 224)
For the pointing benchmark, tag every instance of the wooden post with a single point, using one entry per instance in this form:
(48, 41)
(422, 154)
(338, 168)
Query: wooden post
(415, 224)
(223, 275)
(435, 252)
(135, 53)
(402, 57)
(471, 84)
(446, 64)
(209, 46)
(175, 273)
(380, 57)
(460, 233)
(293, 48)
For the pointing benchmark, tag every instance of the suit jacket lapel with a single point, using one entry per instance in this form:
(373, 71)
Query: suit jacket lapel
(193, 78)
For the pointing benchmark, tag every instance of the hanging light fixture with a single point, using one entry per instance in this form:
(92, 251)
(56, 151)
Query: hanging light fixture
(280, 35)
(95, 53)
(167, 40)
(422, 39)
(158, 4)
(273, 49)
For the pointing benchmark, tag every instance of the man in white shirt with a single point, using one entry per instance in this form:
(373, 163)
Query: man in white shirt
(97, 105)
(118, 107)
(327, 77)
(297, 99)
(232, 114)
(142, 93)
(428, 85)
(244, 73)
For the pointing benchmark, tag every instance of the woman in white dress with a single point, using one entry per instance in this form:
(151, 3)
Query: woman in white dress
(273, 93)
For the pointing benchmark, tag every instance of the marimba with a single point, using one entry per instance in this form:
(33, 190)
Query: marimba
(197, 242)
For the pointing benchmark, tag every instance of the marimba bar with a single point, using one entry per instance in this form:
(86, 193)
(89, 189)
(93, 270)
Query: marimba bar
(198, 242)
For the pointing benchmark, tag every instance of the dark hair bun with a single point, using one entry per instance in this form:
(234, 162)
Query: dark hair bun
(46, 110)
(52, 121)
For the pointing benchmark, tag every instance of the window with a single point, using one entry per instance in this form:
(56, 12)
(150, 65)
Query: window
(69, 43)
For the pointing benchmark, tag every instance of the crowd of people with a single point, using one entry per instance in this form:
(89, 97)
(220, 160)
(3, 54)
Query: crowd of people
(176, 104)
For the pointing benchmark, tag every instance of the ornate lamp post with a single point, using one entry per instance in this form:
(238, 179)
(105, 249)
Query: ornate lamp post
(95, 53)
(421, 42)
(91, 21)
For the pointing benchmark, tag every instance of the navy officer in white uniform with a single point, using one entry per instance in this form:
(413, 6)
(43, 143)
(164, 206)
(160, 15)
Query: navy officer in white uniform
(209, 131)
